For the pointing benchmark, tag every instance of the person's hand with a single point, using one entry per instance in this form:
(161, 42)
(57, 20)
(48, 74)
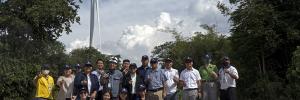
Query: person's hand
(175, 78)
(93, 96)
(105, 75)
(164, 94)
(226, 70)
(62, 82)
(130, 82)
(199, 94)
(73, 97)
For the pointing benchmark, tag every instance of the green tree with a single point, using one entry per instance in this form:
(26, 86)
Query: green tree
(28, 33)
(264, 36)
(82, 55)
(211, 42)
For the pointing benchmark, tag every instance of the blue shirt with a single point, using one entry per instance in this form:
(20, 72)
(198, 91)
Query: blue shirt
(157, 79)
(142, 72)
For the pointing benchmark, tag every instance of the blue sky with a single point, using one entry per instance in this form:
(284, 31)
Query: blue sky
(132, 27)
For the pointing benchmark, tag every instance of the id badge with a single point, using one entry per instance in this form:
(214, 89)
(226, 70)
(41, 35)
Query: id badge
(109, 85)
(211, 84)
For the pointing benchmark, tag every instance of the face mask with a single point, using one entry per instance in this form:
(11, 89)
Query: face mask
(46, 72)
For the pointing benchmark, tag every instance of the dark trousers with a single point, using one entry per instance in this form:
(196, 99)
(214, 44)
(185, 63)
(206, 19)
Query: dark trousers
(99, 95)
(228, 94)
(132, 96)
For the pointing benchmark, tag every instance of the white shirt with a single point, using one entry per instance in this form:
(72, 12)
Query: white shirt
(171, 85)
(89, 85)
(190, 78)
(226, 80)
(133, 78)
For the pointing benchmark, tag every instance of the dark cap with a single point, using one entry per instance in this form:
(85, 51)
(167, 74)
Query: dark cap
(145, 57)
(124, 90)
(188, 60)
(83, 90)
(126, 60)
(45, 67)
(168, 60)
(153, 61)
(132, 65)
(141, 87)
(207, 56)
(88, 64)
(77, 66)
(67, 67)
(226, 58)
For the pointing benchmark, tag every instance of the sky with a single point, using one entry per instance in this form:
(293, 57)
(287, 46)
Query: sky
(132, 28)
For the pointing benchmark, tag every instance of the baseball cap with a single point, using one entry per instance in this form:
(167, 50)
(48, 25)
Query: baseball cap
(124, 90)
(168, 60)
(45, 67)
(141, 87)
(88, 64)
(154, 60)
(188, 60)
(66, 67)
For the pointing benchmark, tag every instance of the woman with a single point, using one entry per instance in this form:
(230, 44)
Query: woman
(107, 95)
(65, 83)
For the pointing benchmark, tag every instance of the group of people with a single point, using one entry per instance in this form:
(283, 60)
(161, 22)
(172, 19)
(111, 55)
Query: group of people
(141, 83)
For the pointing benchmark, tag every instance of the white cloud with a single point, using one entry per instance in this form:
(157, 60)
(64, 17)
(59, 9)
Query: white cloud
(140, 40)
(78, 44)
(131, 27)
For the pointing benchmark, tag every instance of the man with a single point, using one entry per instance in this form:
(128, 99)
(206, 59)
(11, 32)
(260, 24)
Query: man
(115, 79)
(209, 76)
(86, 80)
(99, 72)
(44, 84)
(228, 74)
(156, 81)
(143, 69)
(172, 80)
(134, 82)
(125, 66)
(126, 75)
(190, 80)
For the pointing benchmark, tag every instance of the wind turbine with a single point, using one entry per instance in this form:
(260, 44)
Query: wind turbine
(94, 13)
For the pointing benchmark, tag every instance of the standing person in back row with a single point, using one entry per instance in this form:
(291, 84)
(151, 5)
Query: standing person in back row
(99, 72)
(228, 74)
(66, 84)
(172, 80)
(44, 84)
(143, 69)
(209, 77)
(190, 80)
(115, 78)
(155, 82)
(86, 80)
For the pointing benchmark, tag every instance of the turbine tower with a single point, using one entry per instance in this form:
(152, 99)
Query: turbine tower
(94, 13)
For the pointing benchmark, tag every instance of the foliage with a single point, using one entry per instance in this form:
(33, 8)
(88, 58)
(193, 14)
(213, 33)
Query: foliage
(210, 42)
(264, 36)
